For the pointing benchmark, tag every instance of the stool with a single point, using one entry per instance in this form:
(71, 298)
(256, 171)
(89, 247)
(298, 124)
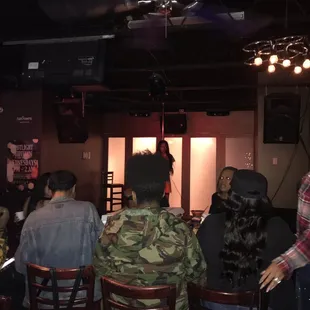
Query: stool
(114, 190)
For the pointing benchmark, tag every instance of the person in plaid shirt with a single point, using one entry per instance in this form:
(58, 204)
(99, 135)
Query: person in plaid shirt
(299, 254)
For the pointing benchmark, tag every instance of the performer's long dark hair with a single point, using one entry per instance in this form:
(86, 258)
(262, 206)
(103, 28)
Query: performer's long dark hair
(170, 157)
(244, 238)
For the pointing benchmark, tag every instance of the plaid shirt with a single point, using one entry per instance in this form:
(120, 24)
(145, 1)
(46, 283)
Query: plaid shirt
(299, 254)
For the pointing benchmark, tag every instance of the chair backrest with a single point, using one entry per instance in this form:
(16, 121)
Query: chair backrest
(107, 177)
(84, 280)
(5, 302)
(250, 299)
(162, 292)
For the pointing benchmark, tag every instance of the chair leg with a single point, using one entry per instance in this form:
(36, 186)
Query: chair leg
(112, 199)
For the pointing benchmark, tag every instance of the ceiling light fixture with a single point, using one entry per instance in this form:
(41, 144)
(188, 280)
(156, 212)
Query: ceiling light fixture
(273, 59)
(271, 68)
(297, 69)
(286, 63)
(258, 61)
(284, 52)
(306, 63)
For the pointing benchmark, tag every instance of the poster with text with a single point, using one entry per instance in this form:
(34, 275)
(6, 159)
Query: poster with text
(22, 164)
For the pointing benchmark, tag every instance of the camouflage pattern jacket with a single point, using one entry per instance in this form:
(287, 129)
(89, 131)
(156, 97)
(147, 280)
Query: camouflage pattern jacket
(147, 247)
(3, 250)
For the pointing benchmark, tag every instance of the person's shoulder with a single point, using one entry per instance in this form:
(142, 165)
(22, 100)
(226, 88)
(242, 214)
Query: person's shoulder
(213, 222)
(216, 218)
(215, 195)
(81, 203)
(276, 224)
(169, 223)
(279, 236)
(278, 231)
(304, 190)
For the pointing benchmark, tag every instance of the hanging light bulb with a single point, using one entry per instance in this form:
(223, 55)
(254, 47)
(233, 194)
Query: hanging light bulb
(286, 63)
(273, 59)
(297, 69)
(258, 61)
(306, 64)
(271, 68)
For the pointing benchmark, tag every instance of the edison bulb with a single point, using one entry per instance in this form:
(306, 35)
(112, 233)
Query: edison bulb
(306, 64)
(258, 61)
(297, 70)
(286, 63)
(273, 59)
(271, 68)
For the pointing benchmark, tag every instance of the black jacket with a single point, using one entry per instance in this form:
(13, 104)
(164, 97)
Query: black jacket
(279, 239)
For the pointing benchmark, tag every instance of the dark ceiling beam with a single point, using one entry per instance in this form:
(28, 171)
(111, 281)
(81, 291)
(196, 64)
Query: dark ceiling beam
(176, 106)
(180, 67)
(292, 83)
(190, 88)
(175, 103)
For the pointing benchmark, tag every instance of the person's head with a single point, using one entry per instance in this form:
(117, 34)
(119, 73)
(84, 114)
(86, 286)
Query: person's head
(223, 183)
(41, 189)
(245, 227)
(62, 183)
(163, 147)
(146, 174)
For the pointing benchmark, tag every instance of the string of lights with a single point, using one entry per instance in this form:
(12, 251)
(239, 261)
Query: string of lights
(291, 52)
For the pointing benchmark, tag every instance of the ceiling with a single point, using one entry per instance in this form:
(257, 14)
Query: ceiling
(201, 64)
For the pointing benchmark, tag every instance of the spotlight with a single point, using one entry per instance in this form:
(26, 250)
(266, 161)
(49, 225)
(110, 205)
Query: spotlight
(273, 59)
(306, 64)
(297, 70)
(271, 68)
(258, 61)
(286, 63)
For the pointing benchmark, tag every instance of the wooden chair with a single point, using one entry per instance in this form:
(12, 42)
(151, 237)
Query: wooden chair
(115, 189)
(251, 299)
(162, 292)
(84, 281)
(5, 302)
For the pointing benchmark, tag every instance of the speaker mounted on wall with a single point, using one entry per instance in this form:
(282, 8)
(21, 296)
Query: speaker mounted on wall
(175, 124)
(71, 124)
(282, 118)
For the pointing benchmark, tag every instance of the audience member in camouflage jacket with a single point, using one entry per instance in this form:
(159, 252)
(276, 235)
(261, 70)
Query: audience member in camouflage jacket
(146, 245)
(4, 217)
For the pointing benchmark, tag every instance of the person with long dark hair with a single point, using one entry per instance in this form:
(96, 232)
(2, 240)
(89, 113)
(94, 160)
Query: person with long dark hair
(163, 150)
(40, 195)
(240, 242)
(222, 190)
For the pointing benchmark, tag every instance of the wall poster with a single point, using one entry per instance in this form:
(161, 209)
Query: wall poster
(22, 164)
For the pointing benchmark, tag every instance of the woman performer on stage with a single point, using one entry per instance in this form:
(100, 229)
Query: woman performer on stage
(163, 150)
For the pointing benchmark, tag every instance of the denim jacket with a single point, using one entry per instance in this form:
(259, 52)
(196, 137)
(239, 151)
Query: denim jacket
(63, 234)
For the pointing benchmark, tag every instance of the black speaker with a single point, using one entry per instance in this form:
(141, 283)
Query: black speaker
(71, 126)
(282, 118)
(175, 124)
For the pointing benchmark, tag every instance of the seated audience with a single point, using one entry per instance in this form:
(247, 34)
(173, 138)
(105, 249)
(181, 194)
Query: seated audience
(63, 234)
(145, 245)
(4, 218)
(40, 196)
(240, 243)
(11, 283)
(222, 190)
